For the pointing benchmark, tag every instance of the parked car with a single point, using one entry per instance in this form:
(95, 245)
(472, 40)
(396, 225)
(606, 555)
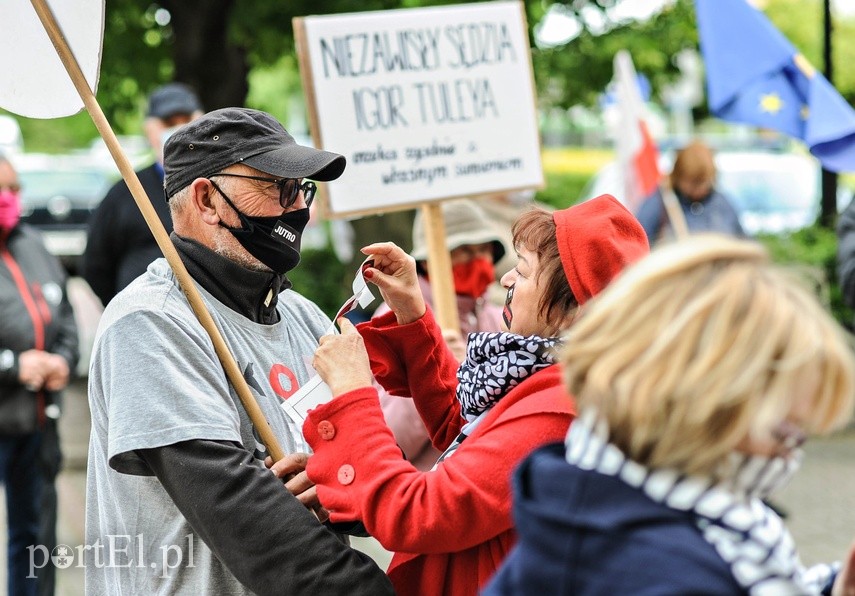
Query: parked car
(772, 192)
(135, 148)
(58, 194)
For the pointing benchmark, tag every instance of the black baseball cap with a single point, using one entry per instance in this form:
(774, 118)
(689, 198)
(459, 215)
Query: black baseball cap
(240, 135)
(172, 99)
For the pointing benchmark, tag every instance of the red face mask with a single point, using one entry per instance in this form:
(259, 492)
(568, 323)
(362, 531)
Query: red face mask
(473, 277)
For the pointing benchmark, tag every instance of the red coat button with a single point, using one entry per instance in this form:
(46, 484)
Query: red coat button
(346, 474)
(326, 430)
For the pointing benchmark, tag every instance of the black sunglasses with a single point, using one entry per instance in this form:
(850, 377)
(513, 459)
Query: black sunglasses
(289, 188)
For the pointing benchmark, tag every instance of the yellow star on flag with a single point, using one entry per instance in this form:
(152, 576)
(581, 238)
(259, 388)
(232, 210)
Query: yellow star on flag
(771, 103)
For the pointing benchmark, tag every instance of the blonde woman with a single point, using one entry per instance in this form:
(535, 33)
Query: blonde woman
(697, 374)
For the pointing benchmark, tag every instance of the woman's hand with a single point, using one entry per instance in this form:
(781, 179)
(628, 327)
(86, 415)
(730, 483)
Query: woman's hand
(394, 273)
(38, 369)
(34, 367)
(58, 373)
(342, 361)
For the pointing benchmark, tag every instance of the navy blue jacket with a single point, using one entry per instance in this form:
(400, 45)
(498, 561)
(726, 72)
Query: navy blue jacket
(713, 214)
(584, 533)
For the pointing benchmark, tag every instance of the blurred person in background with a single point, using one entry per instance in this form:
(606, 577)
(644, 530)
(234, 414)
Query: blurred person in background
(697, 374)
(475, 247)
(704, 208)
(120, 245)
(38, 352)
(503, 209)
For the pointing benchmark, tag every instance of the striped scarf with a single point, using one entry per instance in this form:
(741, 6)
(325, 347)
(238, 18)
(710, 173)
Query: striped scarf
(730, 514)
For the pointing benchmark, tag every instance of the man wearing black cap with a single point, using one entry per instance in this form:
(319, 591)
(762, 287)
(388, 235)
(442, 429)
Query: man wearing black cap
(173, 456)
(120, 245)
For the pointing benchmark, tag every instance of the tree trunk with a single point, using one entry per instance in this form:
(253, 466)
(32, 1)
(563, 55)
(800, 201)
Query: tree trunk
(203, 55)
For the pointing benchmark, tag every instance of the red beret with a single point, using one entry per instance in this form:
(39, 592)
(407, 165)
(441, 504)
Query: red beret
(596, 240)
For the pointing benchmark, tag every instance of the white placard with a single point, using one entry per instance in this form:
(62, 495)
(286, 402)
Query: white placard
(315, 392)
(425, 103)
(311, 395)
(35, 83)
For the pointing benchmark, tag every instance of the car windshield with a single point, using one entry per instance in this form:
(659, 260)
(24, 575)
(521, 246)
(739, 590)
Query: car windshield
(38, 186)
(763, 190)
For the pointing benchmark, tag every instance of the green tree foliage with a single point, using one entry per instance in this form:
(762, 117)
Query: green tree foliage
(212, 45)
(241, 52)
(578, 71)
(136, 57)
(811, 253)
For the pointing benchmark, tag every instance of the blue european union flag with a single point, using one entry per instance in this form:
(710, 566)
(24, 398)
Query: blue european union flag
(756, 76)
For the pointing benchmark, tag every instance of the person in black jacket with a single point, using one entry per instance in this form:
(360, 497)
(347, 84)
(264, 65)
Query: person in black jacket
(38, 352)
(120, 245)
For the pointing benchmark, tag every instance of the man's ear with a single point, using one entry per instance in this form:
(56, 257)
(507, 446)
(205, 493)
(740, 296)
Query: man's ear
(202, 197)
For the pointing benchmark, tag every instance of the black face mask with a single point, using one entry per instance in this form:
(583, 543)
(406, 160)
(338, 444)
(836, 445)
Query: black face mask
(275, 241)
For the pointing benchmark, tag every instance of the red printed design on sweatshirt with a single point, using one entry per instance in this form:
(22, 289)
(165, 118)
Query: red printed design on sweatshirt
(277, 372)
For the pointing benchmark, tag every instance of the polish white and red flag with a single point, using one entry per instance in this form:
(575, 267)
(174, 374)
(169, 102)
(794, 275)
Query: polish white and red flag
(636, 150)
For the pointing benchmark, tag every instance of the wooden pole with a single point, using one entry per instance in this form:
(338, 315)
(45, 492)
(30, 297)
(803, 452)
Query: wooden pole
(675, 213)
(187, 285)
(439, 269)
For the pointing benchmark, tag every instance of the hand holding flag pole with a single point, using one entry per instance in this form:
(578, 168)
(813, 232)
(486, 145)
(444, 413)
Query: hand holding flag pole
(232, 370)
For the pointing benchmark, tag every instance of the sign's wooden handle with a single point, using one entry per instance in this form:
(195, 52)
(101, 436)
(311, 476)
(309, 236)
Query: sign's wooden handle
(439, 269)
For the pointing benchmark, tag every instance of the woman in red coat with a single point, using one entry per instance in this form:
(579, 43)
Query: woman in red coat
(451, 527)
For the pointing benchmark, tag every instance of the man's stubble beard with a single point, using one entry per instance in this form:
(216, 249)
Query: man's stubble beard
(227, 246)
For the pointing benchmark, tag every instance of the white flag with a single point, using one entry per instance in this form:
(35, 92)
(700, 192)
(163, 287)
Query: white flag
(636, 150)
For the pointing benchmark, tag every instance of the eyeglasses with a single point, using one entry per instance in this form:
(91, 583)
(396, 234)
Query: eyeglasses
(10, 187)
(789, 435)
(289, 188)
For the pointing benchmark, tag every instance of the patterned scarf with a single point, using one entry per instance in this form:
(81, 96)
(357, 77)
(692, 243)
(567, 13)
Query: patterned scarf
(747, 535)
(496, 363)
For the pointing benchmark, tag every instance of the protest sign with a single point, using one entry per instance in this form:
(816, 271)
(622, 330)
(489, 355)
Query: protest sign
(426, 104)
